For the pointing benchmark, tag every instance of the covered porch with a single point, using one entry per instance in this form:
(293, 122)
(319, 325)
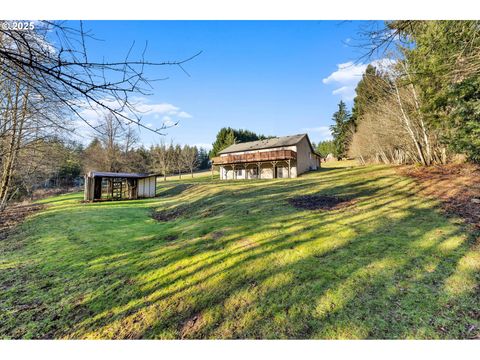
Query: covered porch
(257, 165)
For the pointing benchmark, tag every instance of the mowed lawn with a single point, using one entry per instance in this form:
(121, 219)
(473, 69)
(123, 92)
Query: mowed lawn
(240, 262)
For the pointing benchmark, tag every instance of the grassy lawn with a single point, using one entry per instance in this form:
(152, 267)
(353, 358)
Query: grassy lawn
(243, 263)
(203, 175)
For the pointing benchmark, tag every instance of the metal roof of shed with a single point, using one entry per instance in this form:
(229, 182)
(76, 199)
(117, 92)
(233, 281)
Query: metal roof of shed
(119, 175)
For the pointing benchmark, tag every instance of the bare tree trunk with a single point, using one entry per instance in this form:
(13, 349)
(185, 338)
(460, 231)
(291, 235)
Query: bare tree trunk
(362, 160)
(408, 126)
(444, 155)
(14, 145)
(428, 155)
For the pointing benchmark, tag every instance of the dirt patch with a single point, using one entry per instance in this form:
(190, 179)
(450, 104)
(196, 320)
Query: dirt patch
(216, 235)
(169, 214)
(457, 186)
(191, 326)
(320, 202)
(14, 215)
(171, 237)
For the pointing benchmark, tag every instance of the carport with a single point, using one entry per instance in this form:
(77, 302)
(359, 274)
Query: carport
(100, 186)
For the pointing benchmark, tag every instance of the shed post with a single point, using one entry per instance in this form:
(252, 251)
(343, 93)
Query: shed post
(88, 189)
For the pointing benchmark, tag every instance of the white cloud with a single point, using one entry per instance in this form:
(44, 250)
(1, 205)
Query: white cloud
(160, 108)
(321, 132)
(169, 113)
(346, 92)
(348, 74)
(184, 115)
(142, 109)
(168, 121)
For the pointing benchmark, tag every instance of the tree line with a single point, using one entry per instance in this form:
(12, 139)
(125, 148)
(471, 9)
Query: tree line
(47, 80)
(61, 162)
(116, 148)
(421, 102)
(228, 136)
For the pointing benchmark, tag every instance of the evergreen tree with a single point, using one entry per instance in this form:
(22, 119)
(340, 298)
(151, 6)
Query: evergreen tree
(326, 147)
(228, 136)
(341, 130)
(369, 90)
(444, 61)
(203, 159)
(225, 137)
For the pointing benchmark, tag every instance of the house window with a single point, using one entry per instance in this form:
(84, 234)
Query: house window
(240, 172)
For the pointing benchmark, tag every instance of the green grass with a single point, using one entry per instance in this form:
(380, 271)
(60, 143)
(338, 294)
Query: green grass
(243, 263)
(202, 175)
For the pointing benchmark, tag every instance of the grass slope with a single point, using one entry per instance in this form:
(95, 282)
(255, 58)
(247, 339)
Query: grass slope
(243, 263)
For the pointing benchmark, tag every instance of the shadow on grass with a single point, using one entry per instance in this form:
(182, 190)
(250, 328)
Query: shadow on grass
(77, 196)
(173, 190)
(255, 267)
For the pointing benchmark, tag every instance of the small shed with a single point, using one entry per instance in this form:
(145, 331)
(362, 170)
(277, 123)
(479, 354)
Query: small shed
(101, 185)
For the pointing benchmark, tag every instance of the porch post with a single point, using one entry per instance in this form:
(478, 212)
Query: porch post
(274, 165)
(289, 169)
(259, 164)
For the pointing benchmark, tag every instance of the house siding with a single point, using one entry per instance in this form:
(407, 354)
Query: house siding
(306, 160)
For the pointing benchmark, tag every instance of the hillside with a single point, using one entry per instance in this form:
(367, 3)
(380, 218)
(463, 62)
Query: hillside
(238, 260)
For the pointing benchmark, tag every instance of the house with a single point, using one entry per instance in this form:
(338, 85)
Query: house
(118, 186)
(280, 157)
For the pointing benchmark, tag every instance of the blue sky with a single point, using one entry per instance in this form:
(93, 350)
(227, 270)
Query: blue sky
(271, 77)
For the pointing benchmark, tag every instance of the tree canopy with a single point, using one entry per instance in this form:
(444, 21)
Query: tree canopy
(227, 136)
(341, 130)
(423, 105)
